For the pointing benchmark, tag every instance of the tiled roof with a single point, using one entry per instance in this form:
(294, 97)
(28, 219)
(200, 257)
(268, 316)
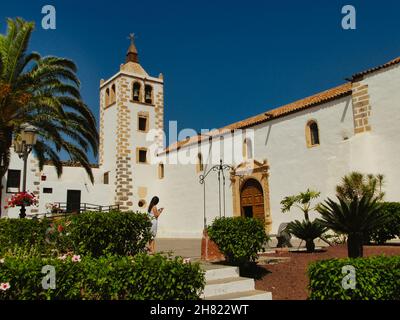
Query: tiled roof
(302, 104)
(382, 66)
(69, 163)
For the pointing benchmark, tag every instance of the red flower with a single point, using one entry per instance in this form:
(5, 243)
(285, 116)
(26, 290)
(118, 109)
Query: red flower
(60, 228)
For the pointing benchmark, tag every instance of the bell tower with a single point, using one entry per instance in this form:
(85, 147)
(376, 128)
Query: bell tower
(131, 106)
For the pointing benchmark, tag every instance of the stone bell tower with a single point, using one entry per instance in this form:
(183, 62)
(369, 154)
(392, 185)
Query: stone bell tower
(131, 105)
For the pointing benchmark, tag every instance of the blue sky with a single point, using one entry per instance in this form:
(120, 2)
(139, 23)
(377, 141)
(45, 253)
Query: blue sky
(222, 60)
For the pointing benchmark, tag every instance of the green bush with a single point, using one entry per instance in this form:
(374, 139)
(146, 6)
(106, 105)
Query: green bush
(142, 277)
(391, 229)
(109, 232)
(238, 238)
(306, 230)
(376, 278)
(22, 233)
(91, 233)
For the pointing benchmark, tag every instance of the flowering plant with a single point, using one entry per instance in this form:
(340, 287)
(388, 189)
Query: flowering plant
(54, 208)
(21, 198)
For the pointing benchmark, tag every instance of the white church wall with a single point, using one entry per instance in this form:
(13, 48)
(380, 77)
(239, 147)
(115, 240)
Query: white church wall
(383, 139)
(75, 178)
(293, 166)
(110, 148)
(182, 196)
(17, 164)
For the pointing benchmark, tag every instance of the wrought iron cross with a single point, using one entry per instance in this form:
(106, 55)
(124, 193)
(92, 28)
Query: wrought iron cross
(131, 37)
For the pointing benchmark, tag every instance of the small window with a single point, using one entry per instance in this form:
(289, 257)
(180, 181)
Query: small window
(13, 181)
(106, 178)
(136, 91)
(47, 190)
(113, 93)
(312, 134)
(107, 99)
(148, 94)
(199, 165)
(141, 203)
(247, 149)
(161, 171)
(143, 122)
(141, 155)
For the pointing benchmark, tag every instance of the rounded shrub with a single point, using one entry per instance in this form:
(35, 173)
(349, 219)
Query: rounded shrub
(91, 233)
(101, 233)
(376, 278)
(238, 238)
(390, 229)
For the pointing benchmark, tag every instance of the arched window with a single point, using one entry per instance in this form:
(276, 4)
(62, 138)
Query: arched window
(247, 149)
(199, 164)
(136, 92)
(161, 171)
(113, 93)
(107, 100)
(148, 94)
(312, 134)
(221, 149)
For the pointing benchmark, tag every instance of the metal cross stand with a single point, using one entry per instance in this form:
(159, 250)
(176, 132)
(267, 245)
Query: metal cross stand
(220, 169)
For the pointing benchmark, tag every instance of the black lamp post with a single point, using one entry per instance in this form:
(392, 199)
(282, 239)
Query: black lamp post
(220, 169)
(23, 145)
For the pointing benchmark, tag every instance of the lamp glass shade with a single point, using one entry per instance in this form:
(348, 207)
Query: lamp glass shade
(18, 145)
(29, 136)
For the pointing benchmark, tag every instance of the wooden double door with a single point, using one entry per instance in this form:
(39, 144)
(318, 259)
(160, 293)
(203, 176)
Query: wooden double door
(252, 200)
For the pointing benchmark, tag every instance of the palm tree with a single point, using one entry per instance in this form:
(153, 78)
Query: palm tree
(357, 184)
(42, 92)
(355, 217)
(301, 201)
(307, 231)
(304, 230)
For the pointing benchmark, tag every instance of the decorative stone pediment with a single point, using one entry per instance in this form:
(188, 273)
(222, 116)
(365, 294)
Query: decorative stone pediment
(249, 167)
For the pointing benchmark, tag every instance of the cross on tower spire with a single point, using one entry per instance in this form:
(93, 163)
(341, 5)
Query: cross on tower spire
(132, 54)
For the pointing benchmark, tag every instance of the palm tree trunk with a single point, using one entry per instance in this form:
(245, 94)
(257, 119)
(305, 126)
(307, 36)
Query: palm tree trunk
(5, 145)
(355, 245)
(310, 245)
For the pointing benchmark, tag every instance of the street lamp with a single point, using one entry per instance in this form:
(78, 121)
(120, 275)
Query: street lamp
(23, 145)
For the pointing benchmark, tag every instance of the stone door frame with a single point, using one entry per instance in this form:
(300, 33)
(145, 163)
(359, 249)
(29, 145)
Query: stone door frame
(259, 171)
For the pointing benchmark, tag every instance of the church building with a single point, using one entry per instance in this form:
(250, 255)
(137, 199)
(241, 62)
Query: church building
(245, 168)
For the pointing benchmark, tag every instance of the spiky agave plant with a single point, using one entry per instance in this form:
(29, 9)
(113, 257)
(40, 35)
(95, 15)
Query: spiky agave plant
(355, 217)
(42, 92)
(306, 230)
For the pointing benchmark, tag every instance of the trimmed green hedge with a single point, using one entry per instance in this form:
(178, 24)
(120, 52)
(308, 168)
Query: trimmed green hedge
(91, 233)
(142, 277)
(238, 238)
(117, 233)
(376, 278)
(22, 233)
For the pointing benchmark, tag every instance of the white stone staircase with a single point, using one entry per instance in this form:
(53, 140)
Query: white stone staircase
(225, 283)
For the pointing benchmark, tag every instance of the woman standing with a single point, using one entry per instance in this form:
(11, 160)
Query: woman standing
(154, 213)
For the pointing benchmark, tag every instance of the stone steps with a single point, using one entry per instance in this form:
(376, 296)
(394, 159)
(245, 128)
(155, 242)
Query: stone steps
(225, 283)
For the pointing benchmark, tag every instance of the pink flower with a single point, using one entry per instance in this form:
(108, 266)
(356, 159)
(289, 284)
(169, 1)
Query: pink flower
(76, 258)
(5, 286)
(186, 260)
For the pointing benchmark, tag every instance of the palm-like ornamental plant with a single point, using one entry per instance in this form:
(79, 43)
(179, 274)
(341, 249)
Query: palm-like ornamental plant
(301, 201)
(354, 217)
(42, 92)
(356, 184)
(304, 230)
(307, 231)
